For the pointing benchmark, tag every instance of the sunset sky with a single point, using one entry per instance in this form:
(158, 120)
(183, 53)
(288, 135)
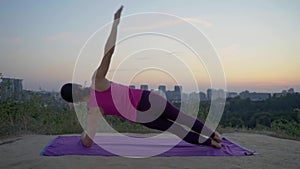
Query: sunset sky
(257, 42)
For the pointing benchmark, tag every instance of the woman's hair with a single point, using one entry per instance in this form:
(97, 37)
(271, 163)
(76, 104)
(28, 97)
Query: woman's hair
(66, 91)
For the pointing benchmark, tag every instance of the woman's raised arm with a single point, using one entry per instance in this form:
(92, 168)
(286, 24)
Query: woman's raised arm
(109, 47)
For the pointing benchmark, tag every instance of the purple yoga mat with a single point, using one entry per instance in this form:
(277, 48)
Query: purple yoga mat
(126, 146)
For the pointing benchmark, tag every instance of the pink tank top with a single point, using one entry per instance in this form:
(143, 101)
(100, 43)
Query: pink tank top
(117, 100)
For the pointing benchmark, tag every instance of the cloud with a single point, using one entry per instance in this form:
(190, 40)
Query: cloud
(205, 23)
(12, 40)
(275, 83)
(158, 25)
(230, 50)
(153, 26)
(122, 70)
(66, 37)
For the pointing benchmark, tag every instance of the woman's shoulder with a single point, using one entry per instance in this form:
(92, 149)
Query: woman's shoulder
(100, 85)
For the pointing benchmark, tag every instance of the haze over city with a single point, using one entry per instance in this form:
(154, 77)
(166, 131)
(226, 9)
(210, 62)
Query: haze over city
(257, 42)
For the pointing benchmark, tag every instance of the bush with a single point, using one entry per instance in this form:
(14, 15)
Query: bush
(291, 128)
(36, 115)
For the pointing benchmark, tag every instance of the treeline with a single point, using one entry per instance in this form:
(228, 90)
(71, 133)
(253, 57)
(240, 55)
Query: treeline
(47, 115)
(37, 114)
(280, 115)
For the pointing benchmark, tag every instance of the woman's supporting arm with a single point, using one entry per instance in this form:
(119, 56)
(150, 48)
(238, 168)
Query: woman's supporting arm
(93, 119)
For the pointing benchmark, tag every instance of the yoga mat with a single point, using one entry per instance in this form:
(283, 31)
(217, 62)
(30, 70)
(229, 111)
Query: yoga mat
(71, 145)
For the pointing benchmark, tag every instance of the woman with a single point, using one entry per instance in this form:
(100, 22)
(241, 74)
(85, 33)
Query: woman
(131, 104)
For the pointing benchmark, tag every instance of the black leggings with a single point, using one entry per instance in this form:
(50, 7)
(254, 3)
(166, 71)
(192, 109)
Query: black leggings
(166, 119)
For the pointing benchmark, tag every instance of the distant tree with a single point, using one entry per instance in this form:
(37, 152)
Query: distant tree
(297, 111)
(236, 122)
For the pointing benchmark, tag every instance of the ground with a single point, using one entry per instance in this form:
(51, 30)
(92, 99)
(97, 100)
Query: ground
(273, 153)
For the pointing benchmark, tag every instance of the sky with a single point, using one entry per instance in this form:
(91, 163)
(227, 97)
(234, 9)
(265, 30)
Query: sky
(257, 43)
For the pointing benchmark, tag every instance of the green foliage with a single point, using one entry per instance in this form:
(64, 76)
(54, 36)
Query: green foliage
(235, 122)
(36, 115)
(42, 114)
(280, 115)
(290, 128)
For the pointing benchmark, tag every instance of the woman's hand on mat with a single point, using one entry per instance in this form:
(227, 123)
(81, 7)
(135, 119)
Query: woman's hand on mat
(86, 140)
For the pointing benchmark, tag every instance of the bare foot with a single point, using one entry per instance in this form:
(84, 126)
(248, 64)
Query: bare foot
(215, 144)
(217, 138)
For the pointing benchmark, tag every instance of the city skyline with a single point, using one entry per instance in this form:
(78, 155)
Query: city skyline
(11, 87)
(155, 86)
(256, 42)
(161, 87)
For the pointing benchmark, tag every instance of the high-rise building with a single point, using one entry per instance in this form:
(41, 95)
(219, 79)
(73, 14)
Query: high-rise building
(202, 96)
(132, 86)
(11, 87)
(162, 88)
(284, 93)
(144, 87)
(174, 96)
(231, 94)
(253, 96)
(194, 96)
(291, 91)
(213, 94)
(177, 88)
